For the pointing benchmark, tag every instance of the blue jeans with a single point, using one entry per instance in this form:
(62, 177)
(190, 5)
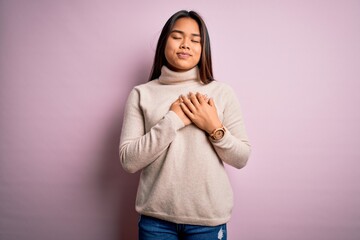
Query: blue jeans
(156, 229)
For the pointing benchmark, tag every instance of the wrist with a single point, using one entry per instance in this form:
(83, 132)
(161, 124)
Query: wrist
(218, 133)
(213, 127)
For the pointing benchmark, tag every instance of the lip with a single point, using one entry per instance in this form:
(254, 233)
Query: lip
(183, 55)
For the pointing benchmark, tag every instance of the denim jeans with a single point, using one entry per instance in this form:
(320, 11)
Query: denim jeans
(156, 229)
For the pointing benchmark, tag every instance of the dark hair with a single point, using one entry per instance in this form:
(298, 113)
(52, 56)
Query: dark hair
(205, 64)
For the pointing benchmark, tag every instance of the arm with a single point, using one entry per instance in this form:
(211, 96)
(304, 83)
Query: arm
(234, 147)
(139, 148)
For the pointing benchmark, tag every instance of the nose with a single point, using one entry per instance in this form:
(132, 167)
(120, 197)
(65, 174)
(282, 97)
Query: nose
(184, 45)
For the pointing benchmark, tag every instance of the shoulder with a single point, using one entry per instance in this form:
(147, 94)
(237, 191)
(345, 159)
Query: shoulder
(143, 91)
(223, 93)
(147, 85)
(143, 88)
(221, 87)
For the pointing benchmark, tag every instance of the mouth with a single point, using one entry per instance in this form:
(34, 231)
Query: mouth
(183, 55)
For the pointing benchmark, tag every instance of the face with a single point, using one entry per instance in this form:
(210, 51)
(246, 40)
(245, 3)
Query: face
(183, 46)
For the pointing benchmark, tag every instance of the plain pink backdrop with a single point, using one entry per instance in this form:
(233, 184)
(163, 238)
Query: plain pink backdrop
(66, 68)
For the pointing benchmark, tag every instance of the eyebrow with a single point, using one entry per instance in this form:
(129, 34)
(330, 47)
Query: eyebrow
(181, 32)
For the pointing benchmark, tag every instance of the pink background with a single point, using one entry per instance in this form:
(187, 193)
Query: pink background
(66, 68)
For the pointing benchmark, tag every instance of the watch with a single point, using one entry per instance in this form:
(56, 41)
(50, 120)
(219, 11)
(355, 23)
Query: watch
(218, 133)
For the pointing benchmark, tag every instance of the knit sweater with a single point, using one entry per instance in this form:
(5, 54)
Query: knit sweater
(183, 179)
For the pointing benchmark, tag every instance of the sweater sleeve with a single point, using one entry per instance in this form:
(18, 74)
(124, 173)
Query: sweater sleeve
(139, 148)
(234, 147)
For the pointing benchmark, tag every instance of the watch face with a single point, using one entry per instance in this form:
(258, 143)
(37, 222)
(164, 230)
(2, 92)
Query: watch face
(219, 134)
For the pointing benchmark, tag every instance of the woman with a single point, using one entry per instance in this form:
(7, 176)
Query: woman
(179, 129)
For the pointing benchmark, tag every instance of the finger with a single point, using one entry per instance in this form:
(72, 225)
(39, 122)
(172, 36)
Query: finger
(206, 97)
(188, 103)
(186, 110)
(211, 102)
(194, 100)
(200, 98)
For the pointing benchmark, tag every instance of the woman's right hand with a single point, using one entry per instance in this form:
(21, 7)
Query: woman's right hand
(175, 107)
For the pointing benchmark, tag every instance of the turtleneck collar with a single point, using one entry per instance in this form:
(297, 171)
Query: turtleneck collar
(170, 77)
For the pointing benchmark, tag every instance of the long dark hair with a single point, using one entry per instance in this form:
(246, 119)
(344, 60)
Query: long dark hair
(205, 64)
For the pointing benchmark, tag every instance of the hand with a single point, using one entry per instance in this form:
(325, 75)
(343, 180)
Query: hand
(201, 111)
(175, 107)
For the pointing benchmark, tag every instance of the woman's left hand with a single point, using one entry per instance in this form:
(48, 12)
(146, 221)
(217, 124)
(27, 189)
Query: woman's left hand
(201, 111)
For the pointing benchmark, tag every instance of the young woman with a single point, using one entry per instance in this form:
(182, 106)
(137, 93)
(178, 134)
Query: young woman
(179, 129)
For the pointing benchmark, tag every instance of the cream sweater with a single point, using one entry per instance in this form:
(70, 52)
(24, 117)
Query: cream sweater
(183, 179)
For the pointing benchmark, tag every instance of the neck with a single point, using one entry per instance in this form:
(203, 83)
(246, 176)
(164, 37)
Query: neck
(173, 77)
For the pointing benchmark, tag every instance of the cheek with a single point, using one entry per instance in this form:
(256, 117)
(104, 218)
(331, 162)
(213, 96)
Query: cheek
(170, 48)
(197, 50)
(170, 45)
(168, 51)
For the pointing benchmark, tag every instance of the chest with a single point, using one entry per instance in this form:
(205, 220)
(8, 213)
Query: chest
(155, 102)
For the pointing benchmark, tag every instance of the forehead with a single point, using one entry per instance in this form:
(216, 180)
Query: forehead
(186, 25)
